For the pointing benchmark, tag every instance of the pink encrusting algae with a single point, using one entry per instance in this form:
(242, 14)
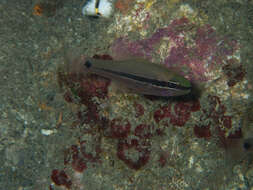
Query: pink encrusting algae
(193, 50)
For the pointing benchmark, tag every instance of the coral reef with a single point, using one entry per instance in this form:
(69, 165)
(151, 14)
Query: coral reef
(126, 127)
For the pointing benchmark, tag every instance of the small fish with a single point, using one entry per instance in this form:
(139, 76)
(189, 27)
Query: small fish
(97, 8)
(140, 76)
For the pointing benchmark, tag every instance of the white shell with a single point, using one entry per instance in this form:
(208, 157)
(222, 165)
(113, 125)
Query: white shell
(47, 132)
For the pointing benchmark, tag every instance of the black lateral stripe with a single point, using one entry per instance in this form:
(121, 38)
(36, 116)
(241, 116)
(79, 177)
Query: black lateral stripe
(147, 80)
(97, 3)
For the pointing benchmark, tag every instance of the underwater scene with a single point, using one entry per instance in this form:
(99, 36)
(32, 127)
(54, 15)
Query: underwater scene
(126, 95)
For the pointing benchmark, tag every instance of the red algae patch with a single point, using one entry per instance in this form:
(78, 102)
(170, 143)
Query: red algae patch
(179, 113)
(202, 131)
(118, 129)
(139, 109)
(59, 177)
(141, 155)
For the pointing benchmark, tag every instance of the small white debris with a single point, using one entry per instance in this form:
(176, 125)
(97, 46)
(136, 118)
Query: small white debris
(47, 132)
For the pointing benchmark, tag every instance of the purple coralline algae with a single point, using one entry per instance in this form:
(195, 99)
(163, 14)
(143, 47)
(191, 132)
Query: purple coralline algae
(192, 50)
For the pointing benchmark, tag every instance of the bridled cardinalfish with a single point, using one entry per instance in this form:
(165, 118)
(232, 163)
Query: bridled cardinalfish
(140, 76)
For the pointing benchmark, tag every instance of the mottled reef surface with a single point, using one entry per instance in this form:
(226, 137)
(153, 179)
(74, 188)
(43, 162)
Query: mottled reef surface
(61, 129)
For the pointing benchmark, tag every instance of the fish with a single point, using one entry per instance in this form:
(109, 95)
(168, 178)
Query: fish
(140, 76)
(97, 8)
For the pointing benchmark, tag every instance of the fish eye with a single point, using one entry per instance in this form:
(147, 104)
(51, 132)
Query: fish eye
(87, 64)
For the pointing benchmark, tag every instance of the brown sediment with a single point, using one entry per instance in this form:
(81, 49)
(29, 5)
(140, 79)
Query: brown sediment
(124, 5)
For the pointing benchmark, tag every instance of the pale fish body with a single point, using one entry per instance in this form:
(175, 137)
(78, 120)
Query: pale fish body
(140, 76)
